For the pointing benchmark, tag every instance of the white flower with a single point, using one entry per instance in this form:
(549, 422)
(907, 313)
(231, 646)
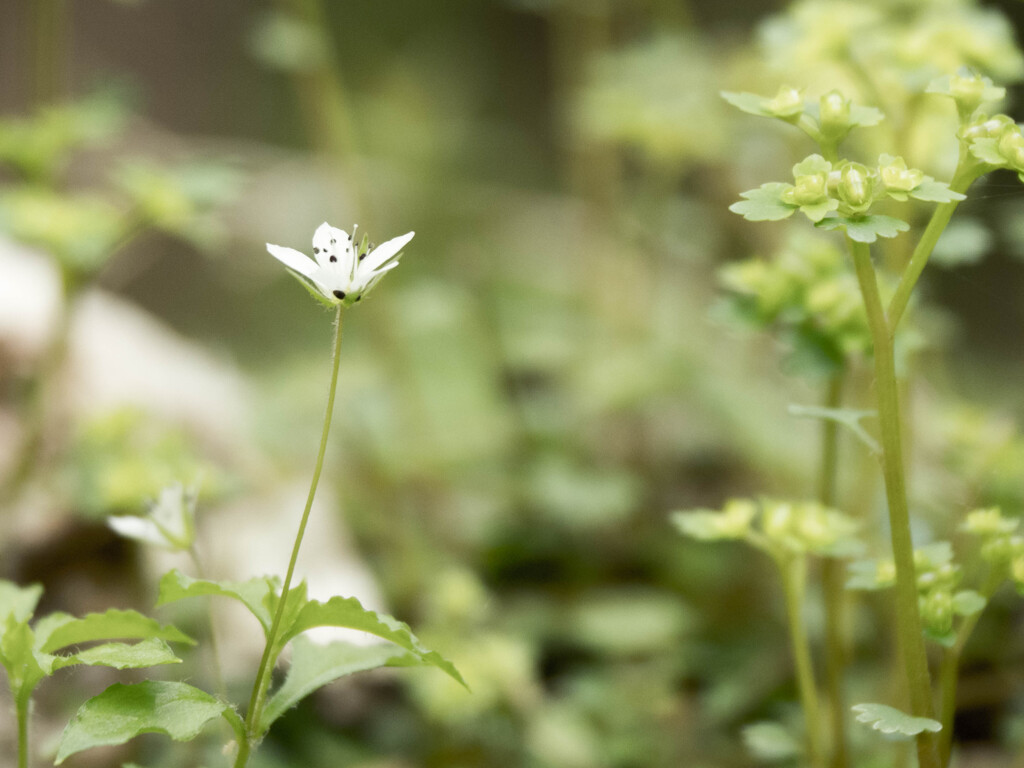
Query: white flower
(169, 524)
(342, 272)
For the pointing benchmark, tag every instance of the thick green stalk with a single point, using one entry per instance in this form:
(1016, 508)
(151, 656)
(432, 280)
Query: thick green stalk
(966, 174)
(908, 618)
(833, 573)
(794, 580)
(271, 650)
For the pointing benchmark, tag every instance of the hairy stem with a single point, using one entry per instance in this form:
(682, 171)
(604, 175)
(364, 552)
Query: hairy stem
(21, 708)
(908, 618)
(271, 650)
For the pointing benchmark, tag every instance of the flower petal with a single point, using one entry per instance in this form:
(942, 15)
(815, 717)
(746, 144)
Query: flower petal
(138, 528)
(385, 251)
(292, 259)
(332, 246)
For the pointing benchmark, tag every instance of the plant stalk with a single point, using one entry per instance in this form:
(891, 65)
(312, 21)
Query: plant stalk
(271, 650)
(794, 581)
(909, 628)
(21, 708)
(832, 577)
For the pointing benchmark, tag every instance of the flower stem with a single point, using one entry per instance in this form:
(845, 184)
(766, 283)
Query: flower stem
(21, 708)
(949, 669)
(965, 175)
(908, 618)
(794, 581)
(832, 574)
(271, 650)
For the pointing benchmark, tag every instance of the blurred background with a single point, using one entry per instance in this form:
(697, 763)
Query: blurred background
(552, 370)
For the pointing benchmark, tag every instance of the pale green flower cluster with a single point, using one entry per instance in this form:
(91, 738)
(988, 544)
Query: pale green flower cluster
(780, 528)
(807, 295)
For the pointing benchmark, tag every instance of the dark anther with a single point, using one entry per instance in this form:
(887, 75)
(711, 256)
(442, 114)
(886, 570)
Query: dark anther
(362, 255)
(358, 299)
(333, 241)
(334, 258)
(316, 250)
(339, 294)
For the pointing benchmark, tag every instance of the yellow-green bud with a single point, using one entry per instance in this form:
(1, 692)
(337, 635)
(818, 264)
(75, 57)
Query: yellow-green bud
(989, 128)
(968, 92)
(897, 177)
(810, 189)
(1001, 549)
(736, 517)
(937, 611)
(988, 522)
(855, 186)
(788, 102)
(835, 113)
(1011, 146)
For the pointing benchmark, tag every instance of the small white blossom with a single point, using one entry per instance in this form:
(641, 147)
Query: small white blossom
(341, 271)
(170, 522)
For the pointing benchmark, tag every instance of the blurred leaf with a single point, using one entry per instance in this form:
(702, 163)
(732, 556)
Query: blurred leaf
(889, 720)
(967, 602)
(844, 416)
(284, 42)
(770, 741)
(314, 666)
(18, 602)
(122, 712)
(765, 204)
(254, 594)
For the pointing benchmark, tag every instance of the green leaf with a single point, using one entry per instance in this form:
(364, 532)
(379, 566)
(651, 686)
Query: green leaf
(764, 203)
(16, 656)
(891, 721)
(865, 229)
(987, 151)
(149, 653)
(314, 666)
(964, 241)
(122, 712)
(18, 601)
(967, 602)
(61, 629)
(847, 417)
(933, 191)
(770, 742)
(254, 594)
(313, 290)
(750, 103)
(348, 612)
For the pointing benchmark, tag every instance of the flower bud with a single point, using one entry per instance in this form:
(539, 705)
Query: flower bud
(897, 177)
(834, 110)
(855, 187)
(809, 189)
(1011, 146)
(937, 612)
(988, 128)
(968, 92)
(788, 102)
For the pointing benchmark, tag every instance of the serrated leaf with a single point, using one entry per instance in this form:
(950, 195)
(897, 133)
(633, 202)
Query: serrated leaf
(59, 630)
(18, 601)
(314, 666)
(967, 602)
(932, 191)
(846, 417)
(348, 612)
(890, 720)
(865, 229)
(148, 653)
(254, 594)
(122, 712)
(770, 741)
(764, 203)
(987, 151)
(865, 117)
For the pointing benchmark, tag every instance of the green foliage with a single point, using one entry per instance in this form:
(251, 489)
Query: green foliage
(865, 229)
(313, 666)
(771, 742)
(122, 712)
(892, 722)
